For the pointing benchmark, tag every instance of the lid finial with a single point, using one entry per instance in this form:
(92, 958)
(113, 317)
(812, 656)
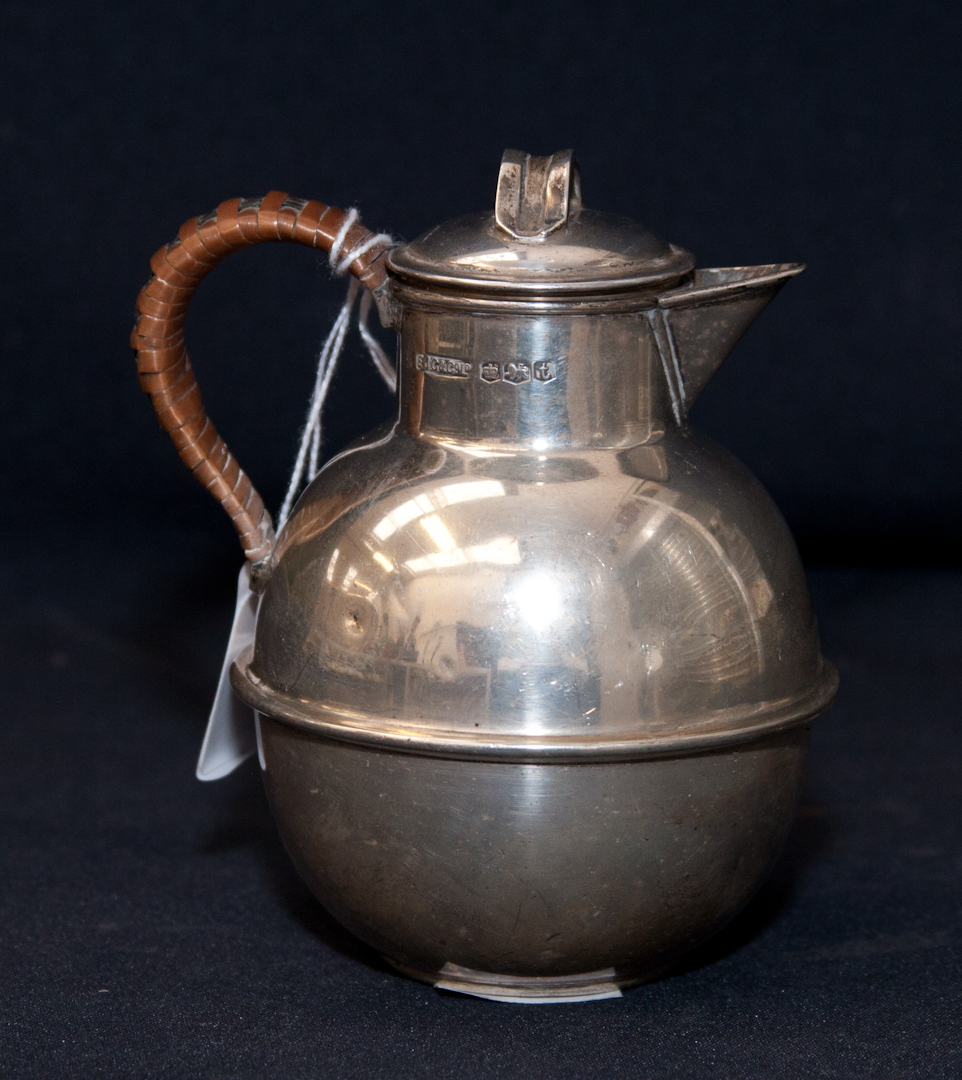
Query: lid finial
(537, 195)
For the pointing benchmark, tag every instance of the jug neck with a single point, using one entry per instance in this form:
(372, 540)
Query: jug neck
(533, 382)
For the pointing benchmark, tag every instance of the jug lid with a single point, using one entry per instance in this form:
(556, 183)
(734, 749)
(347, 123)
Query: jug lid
(538, 240)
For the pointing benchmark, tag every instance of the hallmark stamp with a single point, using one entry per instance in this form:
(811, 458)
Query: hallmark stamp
(516, 371)
(444, 366)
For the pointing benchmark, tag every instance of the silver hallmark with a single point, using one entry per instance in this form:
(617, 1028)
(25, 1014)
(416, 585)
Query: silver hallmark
(445, 366)
(517, 371)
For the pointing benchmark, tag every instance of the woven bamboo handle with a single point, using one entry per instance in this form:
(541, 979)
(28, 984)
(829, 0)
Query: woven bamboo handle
(158, 336)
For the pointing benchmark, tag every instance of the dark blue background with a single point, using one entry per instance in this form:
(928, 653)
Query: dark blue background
(747, 132)
(151, 926)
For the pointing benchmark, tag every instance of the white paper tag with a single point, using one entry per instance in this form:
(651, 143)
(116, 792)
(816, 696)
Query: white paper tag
(230, 738)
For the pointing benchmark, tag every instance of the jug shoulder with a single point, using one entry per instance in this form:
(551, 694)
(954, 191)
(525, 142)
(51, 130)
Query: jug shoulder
(645, 589)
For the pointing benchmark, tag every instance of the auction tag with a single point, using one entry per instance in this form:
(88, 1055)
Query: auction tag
(230, 738)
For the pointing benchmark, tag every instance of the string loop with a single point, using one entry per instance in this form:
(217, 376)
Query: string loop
(309, 449)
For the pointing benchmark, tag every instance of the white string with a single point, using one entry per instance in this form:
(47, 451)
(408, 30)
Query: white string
(356, 252)
(309, 449)
(384, 366)
(330, 354)
(362, 249)
(345, 228)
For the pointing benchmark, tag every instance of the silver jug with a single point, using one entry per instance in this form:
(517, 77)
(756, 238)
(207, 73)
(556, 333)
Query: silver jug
(534, 662)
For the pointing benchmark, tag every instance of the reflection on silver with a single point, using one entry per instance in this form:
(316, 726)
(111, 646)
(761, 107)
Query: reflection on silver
(555, 585)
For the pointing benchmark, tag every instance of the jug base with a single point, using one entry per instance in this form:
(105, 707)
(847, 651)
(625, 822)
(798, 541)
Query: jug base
(527, 990)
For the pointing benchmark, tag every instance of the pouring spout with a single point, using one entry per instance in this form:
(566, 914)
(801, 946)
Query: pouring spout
(698, 324)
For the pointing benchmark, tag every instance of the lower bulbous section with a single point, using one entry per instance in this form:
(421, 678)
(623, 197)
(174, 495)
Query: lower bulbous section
(535, 874)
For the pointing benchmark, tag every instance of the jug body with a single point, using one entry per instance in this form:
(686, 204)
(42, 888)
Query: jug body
(565, 653)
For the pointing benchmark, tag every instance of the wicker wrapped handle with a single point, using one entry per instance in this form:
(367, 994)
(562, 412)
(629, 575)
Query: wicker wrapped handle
(158, 336)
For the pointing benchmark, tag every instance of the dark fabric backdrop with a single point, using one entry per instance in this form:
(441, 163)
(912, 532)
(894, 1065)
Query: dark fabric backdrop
(151, 925)
(747, 132)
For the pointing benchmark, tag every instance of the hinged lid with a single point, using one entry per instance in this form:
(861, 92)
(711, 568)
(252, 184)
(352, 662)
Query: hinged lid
(539, 240)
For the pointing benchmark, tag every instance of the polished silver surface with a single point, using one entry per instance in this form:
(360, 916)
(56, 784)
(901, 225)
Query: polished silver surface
(698, 323)
(539, 241)
(537, 657)
(596, 253)
(554, 876)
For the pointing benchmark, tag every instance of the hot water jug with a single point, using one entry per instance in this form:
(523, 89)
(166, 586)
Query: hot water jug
(534, 662)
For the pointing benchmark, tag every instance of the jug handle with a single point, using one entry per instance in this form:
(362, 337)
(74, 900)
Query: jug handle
(163, 365)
